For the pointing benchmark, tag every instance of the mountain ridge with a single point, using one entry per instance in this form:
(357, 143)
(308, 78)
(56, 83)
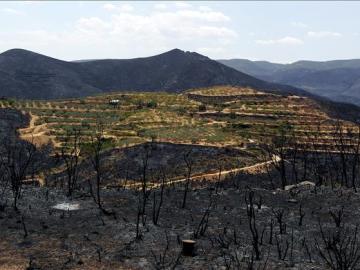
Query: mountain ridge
(27, 74)
(338, 80)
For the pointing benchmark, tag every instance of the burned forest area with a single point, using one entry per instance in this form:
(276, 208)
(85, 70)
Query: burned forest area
(267, 186)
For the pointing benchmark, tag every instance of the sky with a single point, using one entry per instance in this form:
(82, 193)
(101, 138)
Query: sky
(280, 31)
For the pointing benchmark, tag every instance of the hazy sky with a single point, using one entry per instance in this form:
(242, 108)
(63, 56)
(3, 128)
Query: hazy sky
(274, 31)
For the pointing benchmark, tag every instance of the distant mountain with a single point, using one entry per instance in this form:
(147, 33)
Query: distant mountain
(255, 68)
(25, 74)
(338, 80)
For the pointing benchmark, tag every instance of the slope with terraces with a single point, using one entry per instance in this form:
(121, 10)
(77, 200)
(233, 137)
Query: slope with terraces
(258, 115)
(216, 116)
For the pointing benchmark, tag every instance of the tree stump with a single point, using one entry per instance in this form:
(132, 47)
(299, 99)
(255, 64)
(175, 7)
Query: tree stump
(188, 247)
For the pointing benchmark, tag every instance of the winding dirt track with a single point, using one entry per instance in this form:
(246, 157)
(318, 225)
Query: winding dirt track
(207, 176)
(31, 130)
(35, 134)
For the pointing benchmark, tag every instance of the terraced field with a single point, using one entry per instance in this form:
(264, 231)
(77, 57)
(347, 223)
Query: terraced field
(259, 116)
(218, 116)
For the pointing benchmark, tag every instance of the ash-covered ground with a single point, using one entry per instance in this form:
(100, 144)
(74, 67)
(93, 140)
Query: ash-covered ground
(298, 228)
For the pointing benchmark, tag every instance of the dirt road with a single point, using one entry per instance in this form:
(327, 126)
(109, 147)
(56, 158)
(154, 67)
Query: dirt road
(35, 134)
(209, 176)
